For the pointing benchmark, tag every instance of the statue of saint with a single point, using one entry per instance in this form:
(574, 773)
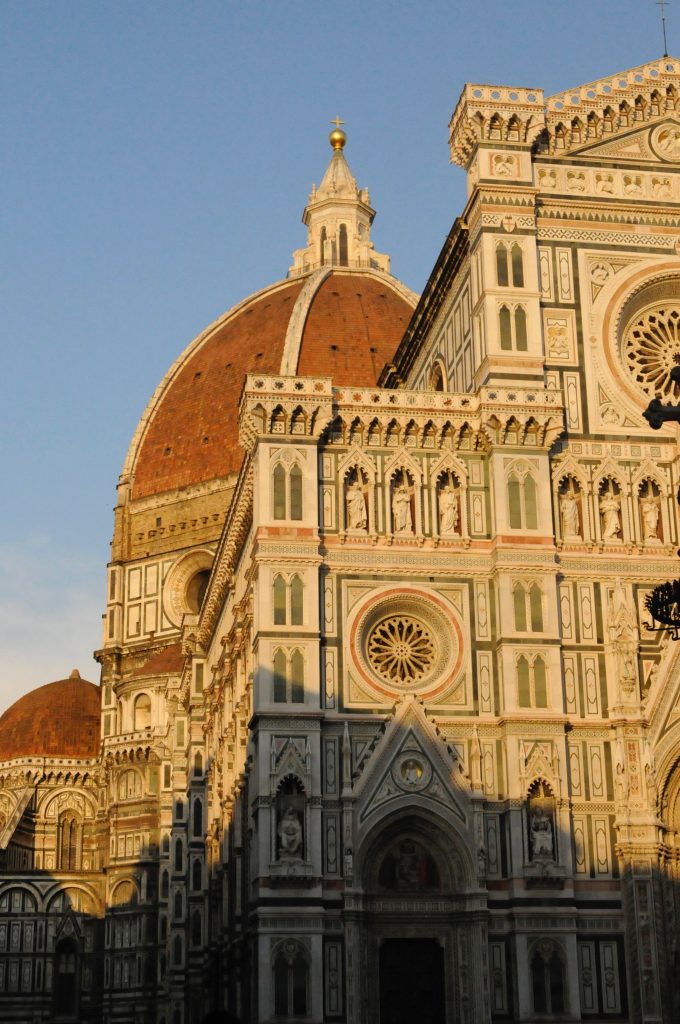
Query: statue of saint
(570, 516)
(610, 509)
(356, 507)
(649, 513)
(401, 510)
(290, 834)
(541, 834)
(448, 510)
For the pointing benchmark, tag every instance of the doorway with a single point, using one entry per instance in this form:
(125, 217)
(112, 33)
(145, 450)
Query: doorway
(412, 982)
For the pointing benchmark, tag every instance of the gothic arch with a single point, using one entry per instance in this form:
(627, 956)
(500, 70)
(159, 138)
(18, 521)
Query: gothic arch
(419, 822)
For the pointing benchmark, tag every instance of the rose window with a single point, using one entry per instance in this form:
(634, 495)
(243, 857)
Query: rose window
(651, 348)
(401, 649)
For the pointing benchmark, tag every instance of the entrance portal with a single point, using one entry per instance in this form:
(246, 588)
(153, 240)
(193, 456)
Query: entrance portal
(412, 982)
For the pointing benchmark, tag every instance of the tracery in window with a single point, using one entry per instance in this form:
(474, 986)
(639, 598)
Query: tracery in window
(70, 841)
(547, 979)
(522, 499)
(287, 492)
(401, 649)
(288, 600)
(513, 328)
(528, 608)
(532, 690)
(289, 677)
(291, 981)
(509, 265)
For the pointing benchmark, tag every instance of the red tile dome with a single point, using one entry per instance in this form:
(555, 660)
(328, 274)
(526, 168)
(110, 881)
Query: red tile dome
(345, 324)
(57, 720)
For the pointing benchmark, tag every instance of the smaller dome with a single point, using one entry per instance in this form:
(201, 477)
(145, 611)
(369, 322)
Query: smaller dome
(59, 719)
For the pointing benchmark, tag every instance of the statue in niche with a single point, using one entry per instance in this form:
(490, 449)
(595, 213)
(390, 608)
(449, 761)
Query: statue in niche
(541, 835)
(649, 513)
(290, 834)
(401, 509)
(569, 513)
(449, 509)
(356, 507)
(610, 513)
(622, 625)
(541, 817)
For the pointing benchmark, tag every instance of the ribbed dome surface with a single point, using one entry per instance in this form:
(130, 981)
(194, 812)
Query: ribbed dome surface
(350, 327)
(57, 720)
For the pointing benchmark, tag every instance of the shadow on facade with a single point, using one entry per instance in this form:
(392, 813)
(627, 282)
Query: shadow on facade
(444, 905)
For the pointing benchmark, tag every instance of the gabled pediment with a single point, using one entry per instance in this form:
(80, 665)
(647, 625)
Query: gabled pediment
(411, 764)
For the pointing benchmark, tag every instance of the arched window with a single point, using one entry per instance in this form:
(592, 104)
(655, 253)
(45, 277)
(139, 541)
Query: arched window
(297, 678)
(289, 677)
(288, 601)
(520, 329)
(178, 904)
(280, 681)
(342, 246)
(505, 328)
(279, 492)
(322, 246)
(547, 979)
(196, 875)
(296, 601)
(66, 980)
(296, 493)
(528, 606)
(142, 712)
(517, 266)
(532, 682)
(291, 981)
(177, 951)
(287, 499)
(179, 855)
(513, 329)
(522, 500)
(437, 381)
(70, 830)
(502, 266)
(165, 885)
(196, 928)
(198, 819)
(198, 764)
(280, 601)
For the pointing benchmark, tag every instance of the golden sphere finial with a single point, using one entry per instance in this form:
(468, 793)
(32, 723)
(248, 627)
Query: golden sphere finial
(337, 138)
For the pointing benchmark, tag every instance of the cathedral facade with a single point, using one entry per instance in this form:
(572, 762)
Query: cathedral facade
(384, 731)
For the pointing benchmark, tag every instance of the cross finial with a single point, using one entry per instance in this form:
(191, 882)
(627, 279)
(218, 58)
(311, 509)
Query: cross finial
(337, 122)
(662, 5)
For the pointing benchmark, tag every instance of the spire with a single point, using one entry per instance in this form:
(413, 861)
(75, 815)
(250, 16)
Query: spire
(338, 217)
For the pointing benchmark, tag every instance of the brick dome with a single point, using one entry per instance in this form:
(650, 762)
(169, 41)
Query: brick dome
(345, 324)
(57, 720)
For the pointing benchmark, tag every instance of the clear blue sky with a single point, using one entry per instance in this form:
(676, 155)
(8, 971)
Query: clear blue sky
(156, 160)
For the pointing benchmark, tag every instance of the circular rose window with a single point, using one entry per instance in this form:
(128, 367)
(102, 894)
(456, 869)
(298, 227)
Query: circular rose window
(401, 649)
(651, 348)
(406, 640)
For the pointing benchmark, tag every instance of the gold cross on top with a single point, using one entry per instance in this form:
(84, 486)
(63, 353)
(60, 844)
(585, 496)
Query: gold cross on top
(337, 122)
